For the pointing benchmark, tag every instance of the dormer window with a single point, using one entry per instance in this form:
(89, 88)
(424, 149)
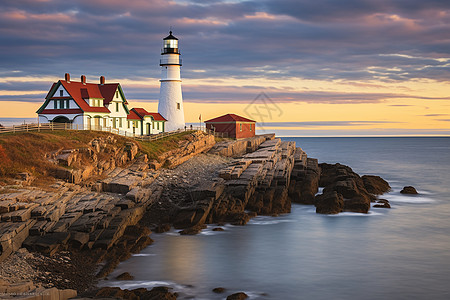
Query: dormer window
(61, 93)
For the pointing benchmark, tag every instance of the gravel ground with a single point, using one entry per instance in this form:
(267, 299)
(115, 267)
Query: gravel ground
(64, 270)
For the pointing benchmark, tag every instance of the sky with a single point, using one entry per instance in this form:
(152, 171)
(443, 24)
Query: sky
(297, 67)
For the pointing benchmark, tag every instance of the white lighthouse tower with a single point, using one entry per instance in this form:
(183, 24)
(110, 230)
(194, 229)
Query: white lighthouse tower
(170, 104)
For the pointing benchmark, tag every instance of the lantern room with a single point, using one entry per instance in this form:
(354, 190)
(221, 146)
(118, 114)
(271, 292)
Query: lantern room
(170, 44)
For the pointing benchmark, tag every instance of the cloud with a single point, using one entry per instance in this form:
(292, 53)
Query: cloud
(322, 124)
(435, 115)
(352, 40)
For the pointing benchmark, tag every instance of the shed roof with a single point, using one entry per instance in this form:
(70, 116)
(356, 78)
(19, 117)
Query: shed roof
(229, 118)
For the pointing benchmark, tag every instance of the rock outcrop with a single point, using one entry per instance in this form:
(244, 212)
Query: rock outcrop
(257, 182)
(304, 179)
(194, 144)
(343, 186)
(375, 184)
(102, 155)
(237, 148)
(409, 190)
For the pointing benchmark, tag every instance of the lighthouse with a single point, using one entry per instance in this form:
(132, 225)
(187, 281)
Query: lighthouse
(170, 104)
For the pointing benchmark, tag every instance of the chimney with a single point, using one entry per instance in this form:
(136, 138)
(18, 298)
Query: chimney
(102, 80)
(83, 79)
(67, 77)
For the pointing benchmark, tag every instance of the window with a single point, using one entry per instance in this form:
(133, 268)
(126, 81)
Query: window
(240, 127)
(114, 123)
(250, 127)
(61, 93)
(128, 124)
(157, 125)
(117, 94)
(67, 103)
(117, 106)
(104, 122)
(120, 122)
(178, 106)
(55, 104)
(61, 104)
(153, 125)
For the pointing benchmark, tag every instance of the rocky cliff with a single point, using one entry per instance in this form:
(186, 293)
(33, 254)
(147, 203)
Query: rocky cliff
(106, 188)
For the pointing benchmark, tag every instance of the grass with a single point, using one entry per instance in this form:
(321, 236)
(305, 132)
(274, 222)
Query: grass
(154, 149)
(25, 151)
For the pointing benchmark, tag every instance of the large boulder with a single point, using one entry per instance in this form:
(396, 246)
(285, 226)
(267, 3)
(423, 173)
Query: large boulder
(409, 190)
(237, 296)
(329, 203)
(351, 186)
(375, 184)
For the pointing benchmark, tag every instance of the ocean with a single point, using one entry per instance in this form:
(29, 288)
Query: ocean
(7, 122)
(397, 253)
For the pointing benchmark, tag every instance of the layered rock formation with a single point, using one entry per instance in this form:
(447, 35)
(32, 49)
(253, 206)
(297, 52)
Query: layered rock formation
(236, 148)
(195, 143)
(257, 181)
(101, 197)
(345, 190)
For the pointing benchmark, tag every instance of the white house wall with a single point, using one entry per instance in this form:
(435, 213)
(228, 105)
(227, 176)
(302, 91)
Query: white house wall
(57, 92)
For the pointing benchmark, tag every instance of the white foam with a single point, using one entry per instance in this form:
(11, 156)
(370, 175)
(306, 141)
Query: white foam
(319, 191)
(271, 221)
(171, 233)
(144, 254)
(414, 199)
(355, 214)
(145, 284)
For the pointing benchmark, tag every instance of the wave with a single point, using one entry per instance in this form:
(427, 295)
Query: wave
(355, 214)
(134, 284)
(144, 254)
(414, 199)
(269, 221)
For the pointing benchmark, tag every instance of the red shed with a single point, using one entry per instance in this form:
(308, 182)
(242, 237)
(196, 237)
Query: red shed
(235, 126)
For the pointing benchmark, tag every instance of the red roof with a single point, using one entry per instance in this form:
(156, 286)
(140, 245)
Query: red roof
(80, 92)
(157, 117)
(142, 113)
(229, 118)
(133, 115)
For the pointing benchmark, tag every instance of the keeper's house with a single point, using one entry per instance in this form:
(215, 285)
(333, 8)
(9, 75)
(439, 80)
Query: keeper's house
(96, 106)
(232, 125)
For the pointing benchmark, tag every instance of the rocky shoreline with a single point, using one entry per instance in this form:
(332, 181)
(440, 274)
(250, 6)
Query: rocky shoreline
(110, 198)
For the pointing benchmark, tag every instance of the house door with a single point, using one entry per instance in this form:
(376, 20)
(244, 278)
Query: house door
(148, 128)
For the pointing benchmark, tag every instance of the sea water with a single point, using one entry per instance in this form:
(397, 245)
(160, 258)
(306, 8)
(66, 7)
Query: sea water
(397, 253)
